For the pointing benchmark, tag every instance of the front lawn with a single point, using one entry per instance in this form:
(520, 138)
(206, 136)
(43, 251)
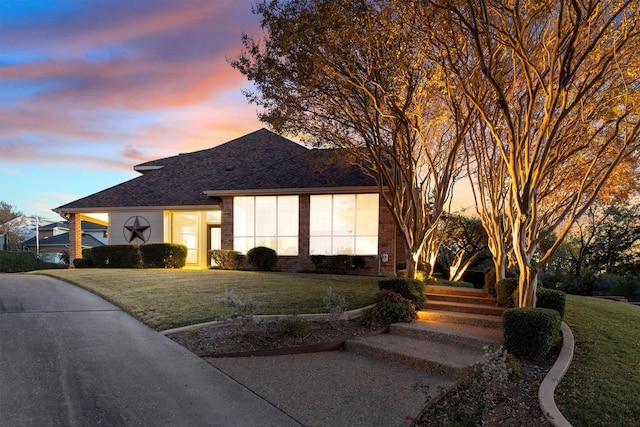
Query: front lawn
(164, 299)
(602, 386)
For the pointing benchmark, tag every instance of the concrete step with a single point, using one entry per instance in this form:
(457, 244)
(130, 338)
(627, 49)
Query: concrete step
(480, 300)
(432, 305)
(437, 357)
(457, 333)
(489, 321)
(452, 290)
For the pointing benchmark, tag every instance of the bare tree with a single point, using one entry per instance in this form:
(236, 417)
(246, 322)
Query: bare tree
(358, 75)
(556, 83)
(12, 226)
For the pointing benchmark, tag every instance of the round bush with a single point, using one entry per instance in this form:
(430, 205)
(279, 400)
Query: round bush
(504, 291)
(262, 258)
(530, 331)
(391, 307)
(411, 289)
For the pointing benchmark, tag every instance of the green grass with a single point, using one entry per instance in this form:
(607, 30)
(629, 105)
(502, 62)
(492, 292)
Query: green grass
(164, 299)
(602, 386)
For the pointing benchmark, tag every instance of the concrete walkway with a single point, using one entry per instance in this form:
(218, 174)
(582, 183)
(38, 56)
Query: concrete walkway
(68, 358)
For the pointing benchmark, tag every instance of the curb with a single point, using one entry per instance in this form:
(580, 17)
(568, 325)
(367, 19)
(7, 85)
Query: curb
(553, 378)
(347, 315)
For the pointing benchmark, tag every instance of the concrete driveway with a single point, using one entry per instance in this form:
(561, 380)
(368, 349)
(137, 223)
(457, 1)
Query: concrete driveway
(68, 358)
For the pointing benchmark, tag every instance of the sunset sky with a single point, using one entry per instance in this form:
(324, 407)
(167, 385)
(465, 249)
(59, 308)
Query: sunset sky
(88, 89)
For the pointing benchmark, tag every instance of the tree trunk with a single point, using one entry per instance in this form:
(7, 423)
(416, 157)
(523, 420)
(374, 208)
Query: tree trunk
(412, 264)
(528, 285)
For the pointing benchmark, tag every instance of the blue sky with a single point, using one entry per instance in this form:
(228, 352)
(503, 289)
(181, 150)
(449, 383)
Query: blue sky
(89, 89)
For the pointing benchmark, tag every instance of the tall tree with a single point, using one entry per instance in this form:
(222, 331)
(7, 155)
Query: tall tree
(466, 240)
(358, 75)
(557, 84)
(11, 227)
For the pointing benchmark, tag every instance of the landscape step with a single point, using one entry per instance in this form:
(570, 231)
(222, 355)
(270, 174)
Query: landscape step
(480, 300)
(465, 335)
(453, 290)
(463, 307)
(490, 321)
(440, 358)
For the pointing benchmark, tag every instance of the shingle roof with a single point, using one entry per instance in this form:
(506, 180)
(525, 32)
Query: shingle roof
(261, 160)
(62, 239)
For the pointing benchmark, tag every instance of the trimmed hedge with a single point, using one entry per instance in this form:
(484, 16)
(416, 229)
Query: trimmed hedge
(530, 331)
(411, 289)
(504, 291)
(225, 259)
(262, 258)
(163, 255)
(553, 299)
(490, 281)
(338, 264)
(15, 262)
(117, 256)
(83, 263)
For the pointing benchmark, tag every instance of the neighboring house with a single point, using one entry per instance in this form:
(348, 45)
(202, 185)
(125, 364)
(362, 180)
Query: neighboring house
(54, 239)
(257, 190)
(15, 232)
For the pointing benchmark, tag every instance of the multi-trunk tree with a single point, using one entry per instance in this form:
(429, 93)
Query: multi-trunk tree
(359, 76)
(556, 83)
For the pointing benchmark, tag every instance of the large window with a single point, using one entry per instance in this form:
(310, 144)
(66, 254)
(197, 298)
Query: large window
(185, 231)
(270, 221)
(344, 224)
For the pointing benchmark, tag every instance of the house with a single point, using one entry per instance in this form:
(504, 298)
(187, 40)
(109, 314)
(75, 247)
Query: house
(14, 232)
(257, 190)
(53, 241)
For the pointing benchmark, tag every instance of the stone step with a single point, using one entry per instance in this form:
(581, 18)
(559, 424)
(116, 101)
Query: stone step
(459, 307)
(452, 290)
(489, 321)
(480, 300)
(434, 356)
(461, 334)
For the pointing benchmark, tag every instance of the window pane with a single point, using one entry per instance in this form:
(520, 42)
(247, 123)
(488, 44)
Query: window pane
(269, 242)
(214, 217)
(287, 246)
(366, 245)
(367, 215)
(265, 216)
(343, 245)
(243, 220)
(242, 244)
(344, 211)
(320, 246)
(320, 215)
(288, 216)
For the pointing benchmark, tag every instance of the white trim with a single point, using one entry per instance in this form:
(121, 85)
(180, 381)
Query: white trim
(293, 191)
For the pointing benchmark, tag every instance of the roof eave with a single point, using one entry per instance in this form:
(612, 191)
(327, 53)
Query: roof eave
(293, 191)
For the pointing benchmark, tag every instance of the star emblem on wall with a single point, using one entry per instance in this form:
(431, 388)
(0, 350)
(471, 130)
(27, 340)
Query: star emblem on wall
(137, 227)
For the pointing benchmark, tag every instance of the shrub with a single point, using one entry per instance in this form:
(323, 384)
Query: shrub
(262, 258)
(14, 262)
(358, 262)
(86, 253)
(334, 303)
(410, 289)
(117, 256)
(225, 259)
(530, 331)
(553, 299)
(490, 281)
(83, 263)
(390, 307)
(163, 255)
(337, 264)
(504, 291)
(457, 284)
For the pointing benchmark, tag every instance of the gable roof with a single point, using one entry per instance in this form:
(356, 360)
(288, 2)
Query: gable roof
(88, 241)
(258, 162)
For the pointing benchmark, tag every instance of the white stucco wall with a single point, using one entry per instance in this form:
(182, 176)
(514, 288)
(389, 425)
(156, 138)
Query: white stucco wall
(119, 235)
